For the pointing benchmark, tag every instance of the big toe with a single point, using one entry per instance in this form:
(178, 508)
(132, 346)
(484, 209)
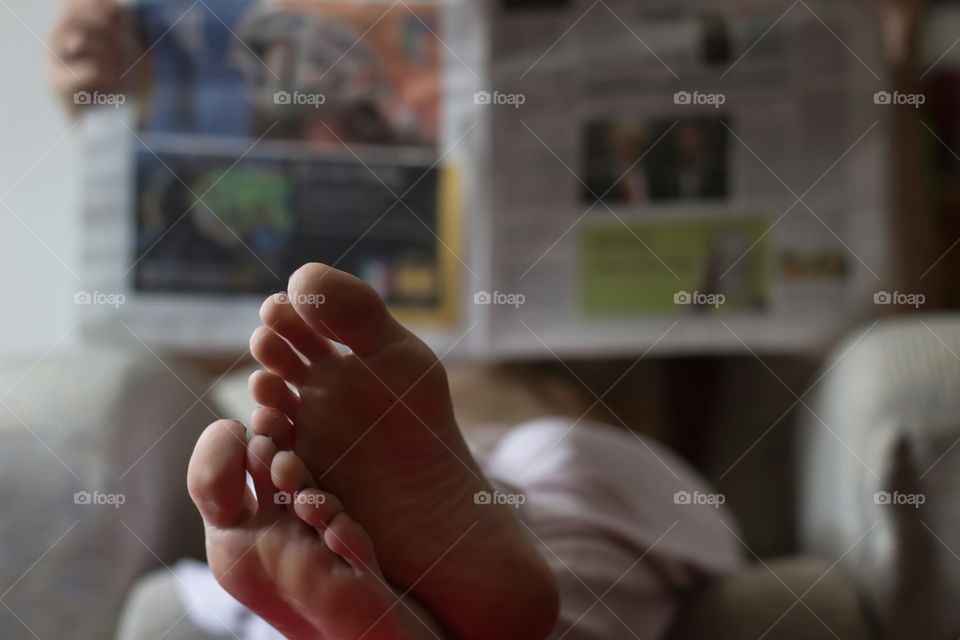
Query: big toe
(216, 477)
(343, 308)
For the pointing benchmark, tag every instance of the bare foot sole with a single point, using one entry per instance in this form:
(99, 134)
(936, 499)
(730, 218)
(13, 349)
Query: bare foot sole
(291, 554)
(376, 428)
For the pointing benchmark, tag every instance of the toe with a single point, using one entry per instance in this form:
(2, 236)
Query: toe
(270, 390)
(348, 540)
(273, 424)
(276, 354)
(343, 308)
(289, 473)
(216, 478)
(278, 314)
(260, 454)
(317, 508)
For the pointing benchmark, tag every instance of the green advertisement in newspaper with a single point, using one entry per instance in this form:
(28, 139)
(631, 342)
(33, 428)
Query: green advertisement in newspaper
(674, 266)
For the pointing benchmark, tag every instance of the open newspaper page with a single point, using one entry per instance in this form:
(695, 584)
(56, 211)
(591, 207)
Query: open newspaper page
(565, 176)
(271, 134)
(712, 163)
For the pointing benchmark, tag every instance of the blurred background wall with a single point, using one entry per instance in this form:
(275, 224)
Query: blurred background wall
(40, 174)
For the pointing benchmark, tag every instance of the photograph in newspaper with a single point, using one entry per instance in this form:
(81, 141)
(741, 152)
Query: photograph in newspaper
(288, 132)
(655, 162)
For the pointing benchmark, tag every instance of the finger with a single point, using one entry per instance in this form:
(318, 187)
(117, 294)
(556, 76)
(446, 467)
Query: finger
(89, 46)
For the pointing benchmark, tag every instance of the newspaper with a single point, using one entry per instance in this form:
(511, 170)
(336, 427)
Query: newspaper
(712, 163)
(569, 177)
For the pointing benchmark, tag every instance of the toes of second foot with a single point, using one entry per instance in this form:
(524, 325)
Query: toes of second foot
(317, 508)
(273, 424)
(347, 539)
(289, 473)
(216, 478)
(260, 454)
